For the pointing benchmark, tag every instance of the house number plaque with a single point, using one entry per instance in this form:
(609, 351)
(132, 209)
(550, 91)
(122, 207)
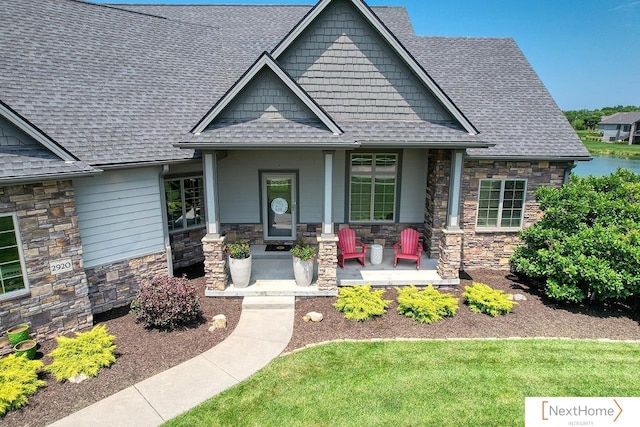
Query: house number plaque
(61, 266)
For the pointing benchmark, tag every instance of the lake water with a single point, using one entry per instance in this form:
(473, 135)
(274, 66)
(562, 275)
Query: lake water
(606, 165)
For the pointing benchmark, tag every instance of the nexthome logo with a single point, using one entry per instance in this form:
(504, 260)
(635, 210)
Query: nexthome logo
(582, 411)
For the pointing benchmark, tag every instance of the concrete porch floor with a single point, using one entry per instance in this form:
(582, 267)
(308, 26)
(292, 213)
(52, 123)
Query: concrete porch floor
(272, 275)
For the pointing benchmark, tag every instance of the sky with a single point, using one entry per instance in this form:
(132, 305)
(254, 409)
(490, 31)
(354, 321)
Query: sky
(586, 52)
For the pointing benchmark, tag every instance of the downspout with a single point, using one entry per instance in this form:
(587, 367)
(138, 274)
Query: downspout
(165, 220)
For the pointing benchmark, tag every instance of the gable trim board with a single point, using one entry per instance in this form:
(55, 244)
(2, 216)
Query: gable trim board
(399, 49)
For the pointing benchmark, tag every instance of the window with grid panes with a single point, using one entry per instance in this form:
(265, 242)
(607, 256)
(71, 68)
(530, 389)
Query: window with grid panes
(185, 203)
(372, 187)
(501, 203)
(12, 277)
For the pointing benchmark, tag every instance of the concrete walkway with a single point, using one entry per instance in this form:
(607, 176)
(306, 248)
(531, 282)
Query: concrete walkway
(263, 332)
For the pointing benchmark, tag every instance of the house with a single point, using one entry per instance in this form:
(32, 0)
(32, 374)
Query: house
(136, 139)
(621, 127)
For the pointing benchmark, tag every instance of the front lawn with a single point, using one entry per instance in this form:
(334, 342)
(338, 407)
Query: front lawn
(443, 383)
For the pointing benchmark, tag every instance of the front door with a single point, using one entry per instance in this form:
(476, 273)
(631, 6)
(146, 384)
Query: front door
(279, 206)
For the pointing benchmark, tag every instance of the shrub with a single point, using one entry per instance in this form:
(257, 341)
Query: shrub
(18, 380)
(361, 303)
(586, 247)
(483, 299)
(84, 354)
(167, 303)
(427, 305)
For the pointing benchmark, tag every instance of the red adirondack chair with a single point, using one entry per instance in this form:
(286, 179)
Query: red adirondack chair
(408, 247)
(348, 247)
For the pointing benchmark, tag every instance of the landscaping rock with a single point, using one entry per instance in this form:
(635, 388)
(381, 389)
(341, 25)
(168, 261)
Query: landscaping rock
(313, 316)
(78, 378)
(517, 297)
(219, 321)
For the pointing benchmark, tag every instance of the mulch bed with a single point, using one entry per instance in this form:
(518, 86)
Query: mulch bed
(143, 353)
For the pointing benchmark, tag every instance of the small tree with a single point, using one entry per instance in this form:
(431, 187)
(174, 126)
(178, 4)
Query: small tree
(587, 244)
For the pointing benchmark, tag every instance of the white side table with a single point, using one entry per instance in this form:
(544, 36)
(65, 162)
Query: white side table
(376, 254)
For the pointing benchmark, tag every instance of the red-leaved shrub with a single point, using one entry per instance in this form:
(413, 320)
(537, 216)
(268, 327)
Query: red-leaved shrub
(167, 303)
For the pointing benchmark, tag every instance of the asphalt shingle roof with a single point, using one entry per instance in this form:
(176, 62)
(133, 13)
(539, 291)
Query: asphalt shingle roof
(21, 162)
(621, 118)
(118, 86)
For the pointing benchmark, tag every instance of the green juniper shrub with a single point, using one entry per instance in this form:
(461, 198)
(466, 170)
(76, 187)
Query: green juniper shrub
(586, 247)
(18, 380)
(427, 305)
(84, 354)
(167, 303)
(483, 299)
(361, 303)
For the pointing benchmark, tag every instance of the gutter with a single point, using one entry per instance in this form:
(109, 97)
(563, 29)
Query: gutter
(31, 179)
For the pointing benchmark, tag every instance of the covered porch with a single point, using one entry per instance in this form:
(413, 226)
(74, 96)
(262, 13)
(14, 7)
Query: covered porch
(272, 275)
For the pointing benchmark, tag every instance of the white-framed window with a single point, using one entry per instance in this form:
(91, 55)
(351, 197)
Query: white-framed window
(501, 203)
(13, 277)
(373, 179)
(185, 203)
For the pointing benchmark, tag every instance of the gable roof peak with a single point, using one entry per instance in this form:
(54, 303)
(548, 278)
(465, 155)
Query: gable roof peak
(266, 61)
(393, 42)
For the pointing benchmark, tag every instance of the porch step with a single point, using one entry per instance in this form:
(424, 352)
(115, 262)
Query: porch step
(268, 302)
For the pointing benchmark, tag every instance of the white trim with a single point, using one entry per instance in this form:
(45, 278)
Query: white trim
(266, 60)
(373, 19)
(36, 134)
(25, 279)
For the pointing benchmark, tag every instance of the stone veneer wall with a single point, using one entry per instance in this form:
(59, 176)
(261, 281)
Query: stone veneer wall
(186, 247)
(115, 285)
(436, 199)
(48, 224)
(493, 249)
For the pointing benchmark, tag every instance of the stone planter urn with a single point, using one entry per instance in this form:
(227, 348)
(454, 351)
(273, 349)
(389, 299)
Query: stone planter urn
(239, 263)
(240, 269)
(303, 256)
(303, 271)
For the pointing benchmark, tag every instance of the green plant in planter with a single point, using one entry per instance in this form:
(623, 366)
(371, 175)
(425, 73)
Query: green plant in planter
(303, 251)
(84, 354)
(238, 250)
(19, 379)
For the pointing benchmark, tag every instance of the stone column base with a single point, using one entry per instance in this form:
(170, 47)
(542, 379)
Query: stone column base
(327, 263)
(215, 262)
(450, 259)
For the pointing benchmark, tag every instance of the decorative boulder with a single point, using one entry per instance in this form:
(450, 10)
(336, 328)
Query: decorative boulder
(219, 321)
(313, 316)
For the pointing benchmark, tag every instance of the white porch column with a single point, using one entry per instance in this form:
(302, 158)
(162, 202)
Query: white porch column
(327, 202)
(455, 190)
(212, 211)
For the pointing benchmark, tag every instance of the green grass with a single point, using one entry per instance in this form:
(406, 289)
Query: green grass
(443, 383)
(612, 149)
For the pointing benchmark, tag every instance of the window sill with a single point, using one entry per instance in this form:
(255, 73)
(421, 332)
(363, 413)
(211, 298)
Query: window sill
(497, 230)
(14, 295)
(185, 230)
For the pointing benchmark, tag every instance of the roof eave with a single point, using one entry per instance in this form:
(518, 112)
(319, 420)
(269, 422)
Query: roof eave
(536, 158)
(266, 146)
(6, 181)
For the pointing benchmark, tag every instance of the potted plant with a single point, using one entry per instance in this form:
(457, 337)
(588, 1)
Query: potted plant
(303, 255)
(26, 347)
(18, 333)
(239, 263)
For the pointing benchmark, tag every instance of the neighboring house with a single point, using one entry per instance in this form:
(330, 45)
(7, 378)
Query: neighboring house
(621, 127)
(139, 138)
